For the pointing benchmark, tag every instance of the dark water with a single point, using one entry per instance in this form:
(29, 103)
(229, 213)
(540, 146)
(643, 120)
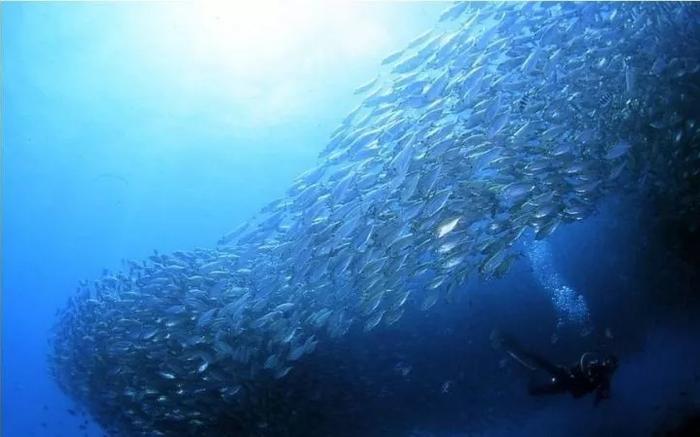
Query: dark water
(119, 138)
(642, 293)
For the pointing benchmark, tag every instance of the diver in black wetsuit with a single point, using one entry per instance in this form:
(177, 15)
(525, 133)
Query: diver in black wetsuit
(587, 376)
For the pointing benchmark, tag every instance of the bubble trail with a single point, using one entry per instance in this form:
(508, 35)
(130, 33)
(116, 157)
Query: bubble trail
(570, 305)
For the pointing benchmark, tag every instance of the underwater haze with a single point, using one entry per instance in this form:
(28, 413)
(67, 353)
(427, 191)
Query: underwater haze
(350, 219)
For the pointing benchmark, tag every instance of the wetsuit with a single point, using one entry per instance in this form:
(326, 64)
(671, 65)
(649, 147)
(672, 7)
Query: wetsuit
(572, 380)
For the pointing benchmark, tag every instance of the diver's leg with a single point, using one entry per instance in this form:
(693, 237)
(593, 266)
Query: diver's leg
(527, 359)
(543, 363)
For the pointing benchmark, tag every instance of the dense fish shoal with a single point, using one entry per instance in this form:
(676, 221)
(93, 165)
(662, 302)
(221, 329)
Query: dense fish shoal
(498, 126)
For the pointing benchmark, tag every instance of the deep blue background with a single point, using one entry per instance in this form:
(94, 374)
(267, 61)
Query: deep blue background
(114, 146)
(117, 140)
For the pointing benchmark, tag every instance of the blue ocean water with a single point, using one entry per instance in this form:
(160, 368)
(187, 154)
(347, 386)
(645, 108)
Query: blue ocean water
(129, 128)
(118, 141)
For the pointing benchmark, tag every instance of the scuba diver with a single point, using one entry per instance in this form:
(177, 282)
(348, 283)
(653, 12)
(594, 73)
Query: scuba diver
(590, 374)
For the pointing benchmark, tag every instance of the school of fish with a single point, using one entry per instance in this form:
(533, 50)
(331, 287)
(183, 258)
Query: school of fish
(502, 123)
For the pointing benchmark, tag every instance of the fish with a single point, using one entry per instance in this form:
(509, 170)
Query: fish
(497, 127)
(374, 320)
(447, 227)
(283, 372)
(618, 150)
(430, 299)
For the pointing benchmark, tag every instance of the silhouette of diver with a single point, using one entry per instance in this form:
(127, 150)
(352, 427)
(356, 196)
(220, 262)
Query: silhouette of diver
(588, 375)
